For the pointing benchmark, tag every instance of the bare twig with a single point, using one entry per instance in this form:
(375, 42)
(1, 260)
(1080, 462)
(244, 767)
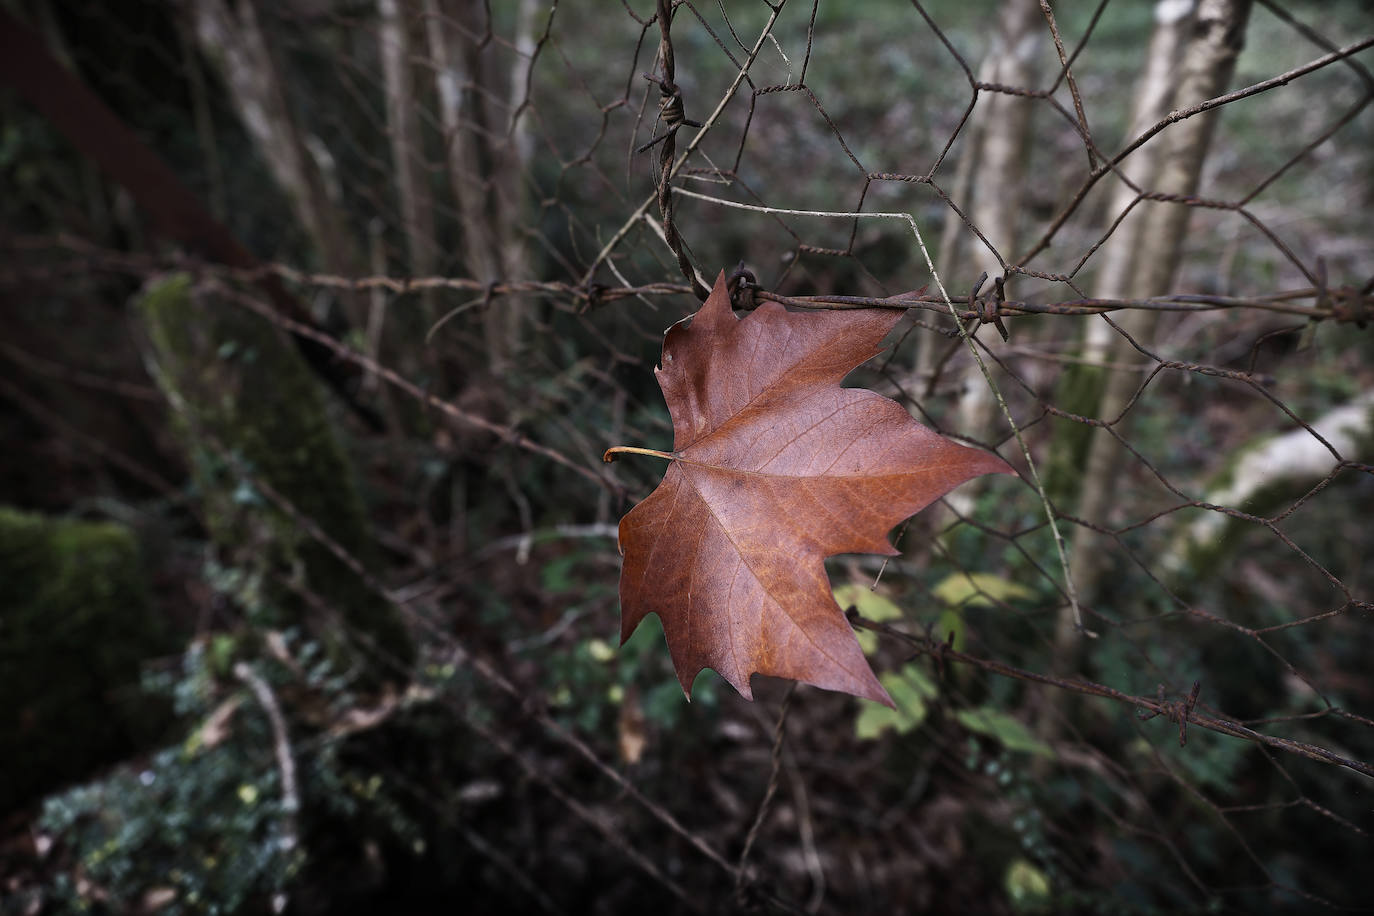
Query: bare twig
(1188, 716)
(741, 873)
(281, 746)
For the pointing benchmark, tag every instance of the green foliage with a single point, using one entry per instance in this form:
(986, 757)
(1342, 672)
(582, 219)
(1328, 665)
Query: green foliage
(911, 690)
(204, 826)
(1004, 727)
(979, 589)
(869, 604)
(77, 622)
(201, 822)
(1029, 865)
(1027, 886)
(588, 683)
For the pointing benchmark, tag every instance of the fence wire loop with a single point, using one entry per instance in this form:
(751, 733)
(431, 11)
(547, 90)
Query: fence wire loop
(670, 111)
(1176, 711)
(741, 285)
(989, 310)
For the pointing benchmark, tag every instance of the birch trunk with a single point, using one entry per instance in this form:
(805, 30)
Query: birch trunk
(1207, 64)
(1081, 386)
(232, 38)
(998, 184)
(407, 146)
(1154, 98)
(487, 150)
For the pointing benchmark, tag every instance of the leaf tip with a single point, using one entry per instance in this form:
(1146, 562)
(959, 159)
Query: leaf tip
(718, 304)
(996, 464)
(877, 693)
(688, 680)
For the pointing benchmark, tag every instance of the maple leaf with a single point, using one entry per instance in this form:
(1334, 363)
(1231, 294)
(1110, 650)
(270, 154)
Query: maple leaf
(774, 468)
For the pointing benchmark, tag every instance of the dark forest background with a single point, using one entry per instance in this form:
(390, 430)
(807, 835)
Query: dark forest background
(317, 316)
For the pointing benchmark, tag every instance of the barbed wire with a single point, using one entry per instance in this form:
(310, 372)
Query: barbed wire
(1342, 304)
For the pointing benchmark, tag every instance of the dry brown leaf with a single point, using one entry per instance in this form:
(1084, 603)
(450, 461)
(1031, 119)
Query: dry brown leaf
(774, 468)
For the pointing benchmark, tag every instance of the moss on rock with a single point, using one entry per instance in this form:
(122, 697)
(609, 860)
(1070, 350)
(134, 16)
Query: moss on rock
(239, 388)
(77, 623)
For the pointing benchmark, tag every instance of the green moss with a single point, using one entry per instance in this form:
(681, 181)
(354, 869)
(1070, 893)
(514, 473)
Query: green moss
(1079, 391)
(240, 389)
(77, 622)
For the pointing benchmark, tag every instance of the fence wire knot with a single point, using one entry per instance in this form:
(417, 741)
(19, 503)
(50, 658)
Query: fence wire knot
(989, 311)
(670, 110)
(592, 293)
(1176, 711)
(741, 283)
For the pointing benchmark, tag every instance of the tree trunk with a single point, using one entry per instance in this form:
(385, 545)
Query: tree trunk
(407, 147)
(1198, 59)
(1208, 61)
(509, 170)
(1081, 386)
(999, 185)
(234, 41)
(1001, 124)
(486, 155)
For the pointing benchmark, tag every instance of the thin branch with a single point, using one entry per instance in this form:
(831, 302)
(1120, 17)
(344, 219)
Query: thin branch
(1334, 303)
(741, 873)
(1147, 705)
(281, 745)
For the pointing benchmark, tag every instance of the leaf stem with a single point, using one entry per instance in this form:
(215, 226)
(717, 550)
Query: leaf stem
(615, 452)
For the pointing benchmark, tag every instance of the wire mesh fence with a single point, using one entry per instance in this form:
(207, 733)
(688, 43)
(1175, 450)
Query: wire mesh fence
(1133, 246)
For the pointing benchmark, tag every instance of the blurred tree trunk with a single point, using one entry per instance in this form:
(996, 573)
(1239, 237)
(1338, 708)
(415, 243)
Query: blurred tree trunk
(1154, 97)
(1081, 386)
(407, 148)
(1207, 62)
(488, 148)
(994, 171)
(999, 182)
(231, 36)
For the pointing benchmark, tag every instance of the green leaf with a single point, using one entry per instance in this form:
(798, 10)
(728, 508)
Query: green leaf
(1027, 886)
(978, 589)
(911, 690)
(951, 621)
(1004, 727)
(869, 604)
